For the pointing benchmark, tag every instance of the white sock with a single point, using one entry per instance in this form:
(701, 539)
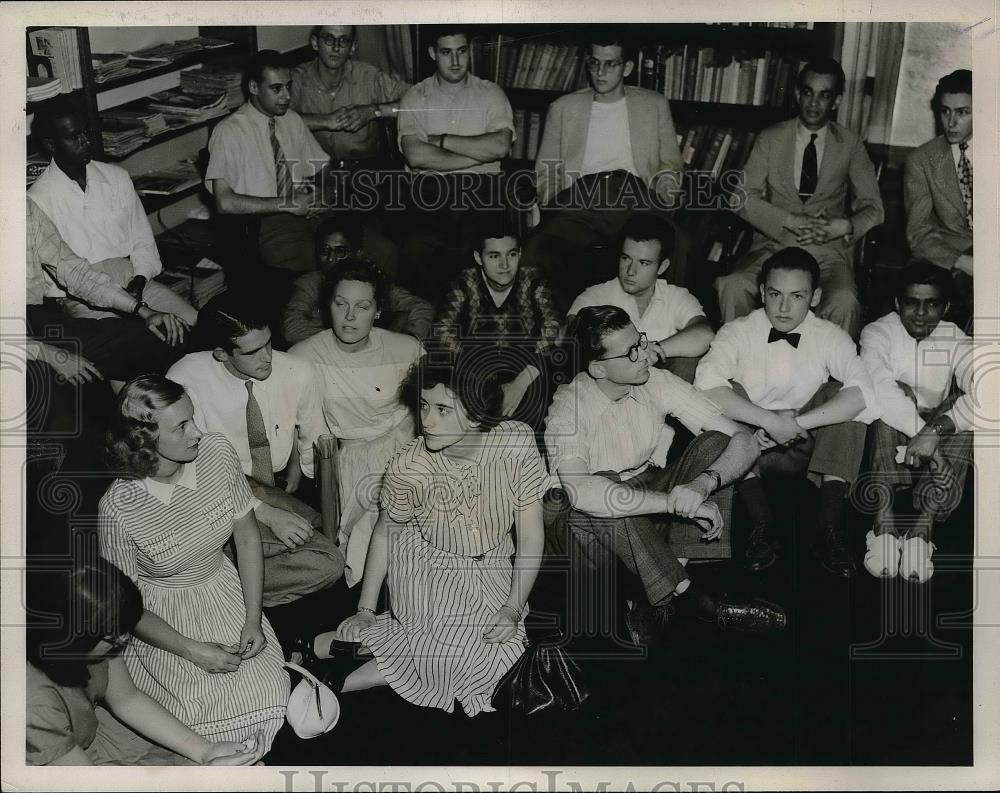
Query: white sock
(682, 587)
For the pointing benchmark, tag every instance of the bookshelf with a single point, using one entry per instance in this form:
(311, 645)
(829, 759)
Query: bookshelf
(736, 77)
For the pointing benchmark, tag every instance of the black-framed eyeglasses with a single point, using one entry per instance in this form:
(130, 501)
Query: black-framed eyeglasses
(339, 42)
(595, 65)
(633, 352)
(336, 251)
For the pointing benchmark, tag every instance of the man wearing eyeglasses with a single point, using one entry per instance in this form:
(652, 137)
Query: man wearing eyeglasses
(337, 238)
(342, 100)
(611, 139)
(607, 443)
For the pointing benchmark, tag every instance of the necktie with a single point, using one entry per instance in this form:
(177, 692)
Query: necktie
(780, 335)
(810, 170)
(965, 180)
(260, 448)
(281, 171)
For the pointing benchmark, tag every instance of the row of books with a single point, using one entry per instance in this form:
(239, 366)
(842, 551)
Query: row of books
(543, 66)
(528, 134)
(715, 149)
(55, 53)
(708, 74)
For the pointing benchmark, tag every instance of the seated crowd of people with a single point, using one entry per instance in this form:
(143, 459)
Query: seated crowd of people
(492, 397)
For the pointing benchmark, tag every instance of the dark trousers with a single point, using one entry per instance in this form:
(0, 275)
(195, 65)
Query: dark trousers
(649, 545)
(836, 449)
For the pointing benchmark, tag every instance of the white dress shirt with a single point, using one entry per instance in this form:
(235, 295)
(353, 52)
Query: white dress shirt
(625, 435)
(893, 356)
(240, 152)
(802, 136)
(671, 308)
(777, 376)
(289, 402)
(105, 221)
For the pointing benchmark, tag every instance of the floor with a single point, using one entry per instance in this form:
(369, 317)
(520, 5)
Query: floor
(862, 676)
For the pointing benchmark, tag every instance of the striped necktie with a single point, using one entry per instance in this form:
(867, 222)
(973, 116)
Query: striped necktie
(965, 180)
(260, 447)
(283, 174)
(810, 170)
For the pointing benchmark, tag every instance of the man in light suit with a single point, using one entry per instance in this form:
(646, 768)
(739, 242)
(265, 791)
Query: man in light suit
(937, 187)
(605, 151)
(795, 192)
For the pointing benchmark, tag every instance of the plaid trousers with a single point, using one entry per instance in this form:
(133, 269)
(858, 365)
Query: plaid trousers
(936, 494)
(649, 545)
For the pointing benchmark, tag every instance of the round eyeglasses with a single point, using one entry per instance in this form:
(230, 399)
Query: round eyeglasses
(339, 42)
(633, 352)
(595, 65)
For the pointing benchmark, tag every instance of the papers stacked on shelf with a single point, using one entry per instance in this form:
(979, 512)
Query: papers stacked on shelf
(40, 88)
(180, 108)
(214, 79)
(108, 65)
(167, 181)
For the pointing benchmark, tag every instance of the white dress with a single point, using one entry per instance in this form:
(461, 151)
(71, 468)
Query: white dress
(362, 408)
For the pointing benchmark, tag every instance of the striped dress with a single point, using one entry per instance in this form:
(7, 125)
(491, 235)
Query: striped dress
(450, 567)
(173, 551)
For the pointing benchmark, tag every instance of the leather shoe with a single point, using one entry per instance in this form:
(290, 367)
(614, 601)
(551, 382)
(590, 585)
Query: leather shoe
(757, 616)
(834, 556)
(646, 623)
(761, 551)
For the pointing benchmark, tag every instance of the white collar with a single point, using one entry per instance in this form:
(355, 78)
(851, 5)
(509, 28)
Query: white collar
(164, 492)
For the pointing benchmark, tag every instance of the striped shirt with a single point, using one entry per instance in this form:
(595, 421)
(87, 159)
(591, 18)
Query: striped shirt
(465, 508)
(623, 435)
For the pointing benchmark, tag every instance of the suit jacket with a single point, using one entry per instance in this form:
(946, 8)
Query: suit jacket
(936, 227)
(564, 140)
(771, 190)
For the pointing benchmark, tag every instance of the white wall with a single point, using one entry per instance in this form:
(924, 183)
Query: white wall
(137, 38)
(931, 51)
(282, 38)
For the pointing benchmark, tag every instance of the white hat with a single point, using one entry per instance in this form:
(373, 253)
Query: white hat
(312, 708)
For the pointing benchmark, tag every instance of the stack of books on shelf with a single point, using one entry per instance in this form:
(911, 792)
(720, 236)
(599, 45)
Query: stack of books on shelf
(212, 80)
(55, 53)
(41, 88)
(167, 181)
(125, 129)
(108, 65)
(181, 109)
(544, 66)
(715, 149)
(708, 74)
(181, 48)
(528, 128)
(124, 140)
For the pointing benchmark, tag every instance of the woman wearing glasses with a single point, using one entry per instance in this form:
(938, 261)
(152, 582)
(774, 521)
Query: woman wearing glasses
(452, 502)
(337, 238)
(78, 623)
(359, 368)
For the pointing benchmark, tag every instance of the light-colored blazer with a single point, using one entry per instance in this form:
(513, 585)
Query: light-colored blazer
(564, 140)
(771, 190)
(936, 227)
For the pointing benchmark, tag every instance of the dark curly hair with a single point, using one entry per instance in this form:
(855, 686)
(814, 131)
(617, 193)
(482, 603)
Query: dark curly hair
(130, 443)
(353, 268)
(476, 387)
(70, 611)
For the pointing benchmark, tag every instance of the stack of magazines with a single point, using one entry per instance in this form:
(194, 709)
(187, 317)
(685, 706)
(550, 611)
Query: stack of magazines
(167, 181)
(213, 79)
(40, 88)
(108, 65)
(180, 109)
(54, 51)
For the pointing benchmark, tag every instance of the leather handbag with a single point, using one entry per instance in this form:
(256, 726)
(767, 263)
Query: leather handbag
(312, 708)
(544, 678)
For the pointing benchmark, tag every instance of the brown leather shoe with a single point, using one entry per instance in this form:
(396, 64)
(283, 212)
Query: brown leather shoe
(757, 616)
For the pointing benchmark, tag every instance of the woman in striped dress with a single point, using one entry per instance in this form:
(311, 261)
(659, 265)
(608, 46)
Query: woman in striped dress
(449, 501)
(202, 648)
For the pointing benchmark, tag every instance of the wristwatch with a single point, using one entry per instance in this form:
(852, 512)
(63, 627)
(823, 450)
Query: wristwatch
(716, 476)
(378, 112)
(139, 306)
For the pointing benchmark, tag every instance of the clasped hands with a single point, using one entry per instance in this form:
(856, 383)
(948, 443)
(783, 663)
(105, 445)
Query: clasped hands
(215, 658)
(817, 229)
(783, 429)
(688, 501)
(350, 118)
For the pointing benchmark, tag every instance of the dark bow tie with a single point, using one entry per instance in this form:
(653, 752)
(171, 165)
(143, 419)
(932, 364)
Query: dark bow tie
(780, 335)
